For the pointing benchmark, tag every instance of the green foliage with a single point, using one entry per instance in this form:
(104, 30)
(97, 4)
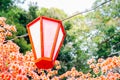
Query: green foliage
(5, 4)
(85, 35)
(72, 53)
(105, 20)
(32, 11)
(68, 25)
(52, 13)
(24, 46)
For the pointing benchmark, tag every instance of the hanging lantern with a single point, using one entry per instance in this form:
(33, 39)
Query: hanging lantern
(46, 37)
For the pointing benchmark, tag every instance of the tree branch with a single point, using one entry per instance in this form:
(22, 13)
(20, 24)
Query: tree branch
(106, 40)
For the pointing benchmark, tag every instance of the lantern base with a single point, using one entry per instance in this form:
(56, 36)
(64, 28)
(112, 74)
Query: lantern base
(44, 63)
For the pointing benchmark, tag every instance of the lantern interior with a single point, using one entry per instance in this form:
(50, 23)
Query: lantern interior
(49, 32)
(36, 38)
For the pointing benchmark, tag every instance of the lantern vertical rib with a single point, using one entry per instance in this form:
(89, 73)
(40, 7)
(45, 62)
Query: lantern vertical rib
(64, 34)
(33, 48)
(42, 37)
(30, 36)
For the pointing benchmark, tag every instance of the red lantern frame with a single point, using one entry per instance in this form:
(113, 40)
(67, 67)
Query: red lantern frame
(46, 62)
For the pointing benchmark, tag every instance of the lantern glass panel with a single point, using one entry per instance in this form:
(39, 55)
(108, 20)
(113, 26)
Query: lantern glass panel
(36, 39)
(49, 31)
(60, 36)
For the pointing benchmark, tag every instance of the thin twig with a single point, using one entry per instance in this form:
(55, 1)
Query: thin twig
(115, 53)
(116, 45)
(25, 35)
(86, 10)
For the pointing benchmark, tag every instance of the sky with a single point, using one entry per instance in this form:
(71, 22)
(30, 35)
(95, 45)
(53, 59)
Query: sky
(69, 6)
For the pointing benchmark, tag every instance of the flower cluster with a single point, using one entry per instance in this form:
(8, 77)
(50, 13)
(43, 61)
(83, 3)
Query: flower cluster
(109, 68)
(16, 66)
